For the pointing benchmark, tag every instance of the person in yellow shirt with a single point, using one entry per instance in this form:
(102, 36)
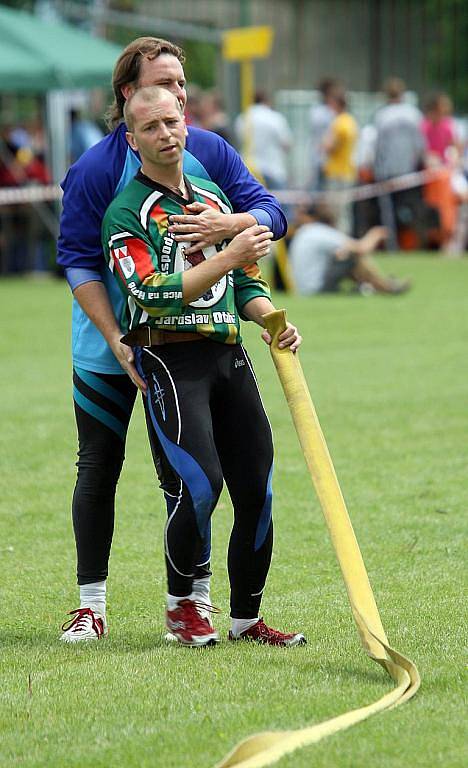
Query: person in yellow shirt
(339, 145)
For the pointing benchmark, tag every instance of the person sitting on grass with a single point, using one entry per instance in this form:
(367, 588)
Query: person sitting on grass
(322, 257)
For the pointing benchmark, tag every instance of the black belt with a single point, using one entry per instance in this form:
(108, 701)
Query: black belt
(153, 337)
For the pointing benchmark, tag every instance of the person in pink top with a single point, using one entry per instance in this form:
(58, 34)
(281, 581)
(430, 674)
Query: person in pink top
(439, 129)
(443, 148)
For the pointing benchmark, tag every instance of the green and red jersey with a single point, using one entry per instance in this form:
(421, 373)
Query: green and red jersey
(148, 263)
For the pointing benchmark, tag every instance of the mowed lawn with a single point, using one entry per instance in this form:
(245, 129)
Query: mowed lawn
(389, 378)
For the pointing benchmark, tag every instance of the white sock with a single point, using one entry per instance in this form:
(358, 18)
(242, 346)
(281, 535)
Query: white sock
(173, 600)
(241, 625)
(201, 590)
(94, 596)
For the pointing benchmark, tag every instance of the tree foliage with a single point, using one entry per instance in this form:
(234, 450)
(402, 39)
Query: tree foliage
(201, 63)
(448, 51)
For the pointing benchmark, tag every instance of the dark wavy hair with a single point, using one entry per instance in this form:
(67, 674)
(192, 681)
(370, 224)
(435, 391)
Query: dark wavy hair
(127, 70)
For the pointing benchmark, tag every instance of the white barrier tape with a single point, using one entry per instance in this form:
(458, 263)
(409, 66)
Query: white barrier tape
(32, 194)
(363, 192)
(51, 192)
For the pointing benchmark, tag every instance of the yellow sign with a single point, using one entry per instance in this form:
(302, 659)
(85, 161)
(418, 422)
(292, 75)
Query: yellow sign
(245, 43)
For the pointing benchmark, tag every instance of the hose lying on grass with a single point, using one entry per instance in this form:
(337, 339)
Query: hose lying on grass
(266, 748)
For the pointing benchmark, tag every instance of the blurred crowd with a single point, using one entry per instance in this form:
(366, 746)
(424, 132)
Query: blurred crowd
(399, 182)
(24, 244)
(22, 155)
(342, 158)
(428, 210)
(410, 164)
(27, 231)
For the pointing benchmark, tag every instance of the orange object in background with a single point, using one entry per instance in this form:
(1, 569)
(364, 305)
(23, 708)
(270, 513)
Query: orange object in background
(365, 175)
(440, 195)
(408, 239)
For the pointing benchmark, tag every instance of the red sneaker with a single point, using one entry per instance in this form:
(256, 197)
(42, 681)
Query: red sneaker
(260, 633)
(85, 625)
(187, 625)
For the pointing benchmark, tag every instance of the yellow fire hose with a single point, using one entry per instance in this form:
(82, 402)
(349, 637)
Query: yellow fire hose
(267, 748)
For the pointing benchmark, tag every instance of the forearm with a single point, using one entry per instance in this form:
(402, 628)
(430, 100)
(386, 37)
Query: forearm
(237, 222)
(370, 241)
(244, 191)
(199, 279)
(363, 246)
(204, 226)
(94, 301)
(246, 248)
(256, 308)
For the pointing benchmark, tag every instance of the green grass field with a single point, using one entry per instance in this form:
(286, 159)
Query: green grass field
(389, 380)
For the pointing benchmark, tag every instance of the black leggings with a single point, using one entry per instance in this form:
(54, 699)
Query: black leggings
(103, 406)
(204, 409)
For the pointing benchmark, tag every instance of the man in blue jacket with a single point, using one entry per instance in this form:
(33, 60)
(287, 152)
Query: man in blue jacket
(103, 394)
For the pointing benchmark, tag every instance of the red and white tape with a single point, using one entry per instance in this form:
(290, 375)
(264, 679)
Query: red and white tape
(363, 192)
(30, 194)
(51, 192)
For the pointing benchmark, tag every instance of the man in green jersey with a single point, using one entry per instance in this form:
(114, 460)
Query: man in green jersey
(202, 404)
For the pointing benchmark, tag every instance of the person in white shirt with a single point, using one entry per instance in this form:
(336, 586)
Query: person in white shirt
(399, 149)
(266, 137)
(399, 142)
(322, 257)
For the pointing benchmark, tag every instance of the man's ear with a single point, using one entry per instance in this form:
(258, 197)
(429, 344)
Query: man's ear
(185, 127)
(127, 90)
(131, 140)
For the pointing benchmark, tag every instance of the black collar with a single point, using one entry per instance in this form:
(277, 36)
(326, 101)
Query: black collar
(140, 176)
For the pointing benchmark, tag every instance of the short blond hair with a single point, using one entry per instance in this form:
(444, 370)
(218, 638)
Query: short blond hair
(150, 94)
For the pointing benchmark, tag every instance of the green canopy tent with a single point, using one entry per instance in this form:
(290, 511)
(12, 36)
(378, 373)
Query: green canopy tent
(50, 58)
(37, 56)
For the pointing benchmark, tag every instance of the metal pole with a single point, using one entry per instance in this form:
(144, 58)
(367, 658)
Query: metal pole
(247, 84)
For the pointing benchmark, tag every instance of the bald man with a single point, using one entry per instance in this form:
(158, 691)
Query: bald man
(182, 320)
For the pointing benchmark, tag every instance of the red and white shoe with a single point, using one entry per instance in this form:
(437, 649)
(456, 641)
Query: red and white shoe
(85, 625)
(260, 633)
(205, 610)
(188, 626)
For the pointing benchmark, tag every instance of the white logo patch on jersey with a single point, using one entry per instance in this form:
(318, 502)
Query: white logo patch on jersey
(125, 261)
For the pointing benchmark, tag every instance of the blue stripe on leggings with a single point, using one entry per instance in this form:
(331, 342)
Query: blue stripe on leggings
(265, 515)
(94, 382)
(191, 473)
(205, 555)
(99, 413)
